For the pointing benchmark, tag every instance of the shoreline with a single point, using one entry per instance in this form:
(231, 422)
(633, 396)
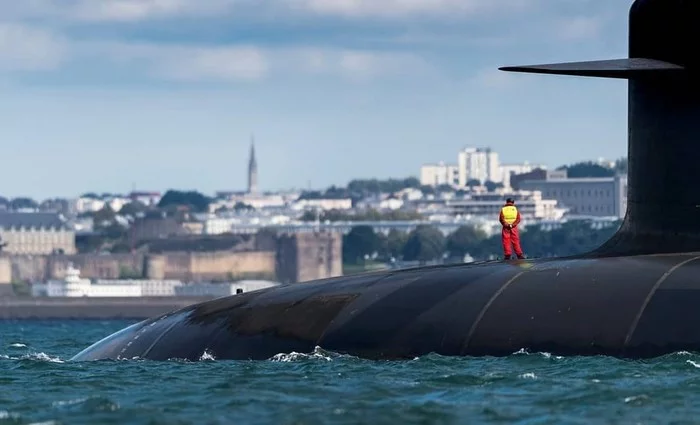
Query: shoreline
(66, 308)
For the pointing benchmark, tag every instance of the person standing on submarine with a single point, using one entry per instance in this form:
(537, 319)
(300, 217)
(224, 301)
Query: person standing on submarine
(510, 218)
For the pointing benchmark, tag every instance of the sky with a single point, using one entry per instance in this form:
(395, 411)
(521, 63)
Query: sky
(115, 95)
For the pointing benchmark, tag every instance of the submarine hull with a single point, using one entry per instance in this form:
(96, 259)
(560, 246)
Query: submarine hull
(639, 306)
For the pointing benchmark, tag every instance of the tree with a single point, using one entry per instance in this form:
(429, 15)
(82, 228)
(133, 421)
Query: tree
(373, 186)
(359, 242)
(473, 183)
(575, 237)
(133, 208)
(492, 186)
(396, 240)
(56, 205)
(23, 203)
(464, 240)
(189, 199)
(587, 169)
(103, 217)
(621, 166)
(332, 192)
(242, 206)
(425, 243)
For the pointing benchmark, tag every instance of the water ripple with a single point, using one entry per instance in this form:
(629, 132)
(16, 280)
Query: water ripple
(40, 387)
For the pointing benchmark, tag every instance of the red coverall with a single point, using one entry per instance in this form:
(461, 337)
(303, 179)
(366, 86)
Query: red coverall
(510, 235)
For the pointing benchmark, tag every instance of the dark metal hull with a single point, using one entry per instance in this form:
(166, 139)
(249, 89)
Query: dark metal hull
(620, 306)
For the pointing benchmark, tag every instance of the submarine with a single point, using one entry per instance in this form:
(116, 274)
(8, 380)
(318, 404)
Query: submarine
(636, 296)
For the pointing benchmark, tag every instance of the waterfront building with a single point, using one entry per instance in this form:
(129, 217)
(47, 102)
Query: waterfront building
(75, 286)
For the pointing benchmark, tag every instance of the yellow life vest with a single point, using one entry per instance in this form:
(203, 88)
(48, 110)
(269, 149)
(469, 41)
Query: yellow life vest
(510, 214)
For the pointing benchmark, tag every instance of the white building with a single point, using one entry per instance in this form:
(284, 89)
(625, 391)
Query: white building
(323, 204)
(508, 170)
(149, 287)
(84, 205)
(219, 225)
(146, 198)
(230, 199)
(439, 174)
(409, 194)
(531, 206)
(478, 164)
(74, 286)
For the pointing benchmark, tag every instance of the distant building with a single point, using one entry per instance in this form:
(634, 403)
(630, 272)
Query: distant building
(218, 225)
(599, 196)
(323, 204)
(88, 204)
(439, 174)
(307, 256)
(509, 170)
(257, 201)
(478, 164)
(155, 228)
(530, 204)
(537, 174)
(252, 170)
(36, 233)
(193, 227)
(146, 198)
(75, 286)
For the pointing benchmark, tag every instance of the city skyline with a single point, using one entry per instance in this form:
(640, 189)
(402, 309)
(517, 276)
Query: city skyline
(164, 94)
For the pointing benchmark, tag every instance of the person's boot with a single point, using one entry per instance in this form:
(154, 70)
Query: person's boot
(521, 257)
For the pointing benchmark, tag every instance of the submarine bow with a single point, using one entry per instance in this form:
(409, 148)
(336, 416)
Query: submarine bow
(638, 295)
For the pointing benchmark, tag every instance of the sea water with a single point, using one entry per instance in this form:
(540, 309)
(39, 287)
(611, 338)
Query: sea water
(38, 385)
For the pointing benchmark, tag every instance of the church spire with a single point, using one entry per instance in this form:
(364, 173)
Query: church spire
(252, 168)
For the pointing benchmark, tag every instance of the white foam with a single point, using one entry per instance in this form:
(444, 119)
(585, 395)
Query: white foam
(318, 353)
(207, 356)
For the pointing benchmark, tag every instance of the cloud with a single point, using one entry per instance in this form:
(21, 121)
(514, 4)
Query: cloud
(187, 63)
(356, 64)
(26, 48)
(140, 10)
(192, 63)
(113, 10)
(137, 10)
(402, 8)
(581, 27)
